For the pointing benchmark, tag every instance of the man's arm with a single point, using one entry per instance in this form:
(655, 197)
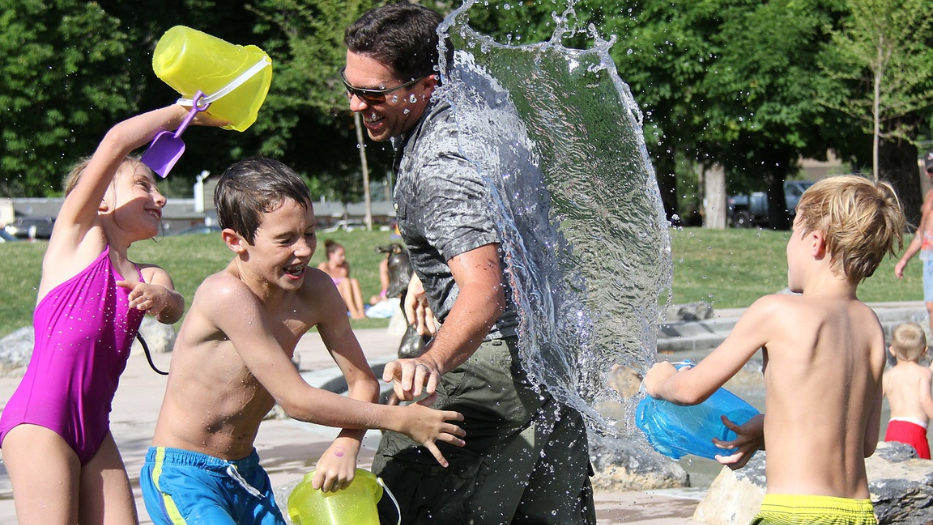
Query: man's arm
(479, 304)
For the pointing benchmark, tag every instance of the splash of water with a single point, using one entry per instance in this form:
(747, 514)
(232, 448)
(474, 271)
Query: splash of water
(583, 229)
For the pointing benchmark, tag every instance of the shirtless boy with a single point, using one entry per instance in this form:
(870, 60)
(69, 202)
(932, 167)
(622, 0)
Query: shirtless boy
(232, 363)
(824, 355)
(907, 386)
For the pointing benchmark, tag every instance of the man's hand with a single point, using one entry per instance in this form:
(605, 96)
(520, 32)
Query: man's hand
(412, 377)
(417, 310)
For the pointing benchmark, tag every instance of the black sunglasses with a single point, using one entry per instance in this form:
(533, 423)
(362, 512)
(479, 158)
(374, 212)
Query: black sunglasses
(373, 96)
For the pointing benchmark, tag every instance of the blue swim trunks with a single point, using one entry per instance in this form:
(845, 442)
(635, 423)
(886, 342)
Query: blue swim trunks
(928, 281)
(184, 487)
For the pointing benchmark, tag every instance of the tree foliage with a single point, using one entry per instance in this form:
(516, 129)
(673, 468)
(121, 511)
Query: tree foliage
(751, 86)
(60, 72)
(879, 68)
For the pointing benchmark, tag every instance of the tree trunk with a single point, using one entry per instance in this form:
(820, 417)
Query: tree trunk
(777, 203)
(667, 182)
(876, 111)
(898, 165)
(368, 219)
(714, 198)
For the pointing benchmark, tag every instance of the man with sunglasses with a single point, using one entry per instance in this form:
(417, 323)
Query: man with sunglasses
(923, 242)
(526, 457)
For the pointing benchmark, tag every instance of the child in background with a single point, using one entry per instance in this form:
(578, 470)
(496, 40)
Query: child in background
(922, 243)
(907, 386)
(824, 356)
(232, 363)
(337, 267)
(55, 430)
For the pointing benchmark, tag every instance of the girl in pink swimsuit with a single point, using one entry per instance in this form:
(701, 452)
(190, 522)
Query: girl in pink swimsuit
(55, 431)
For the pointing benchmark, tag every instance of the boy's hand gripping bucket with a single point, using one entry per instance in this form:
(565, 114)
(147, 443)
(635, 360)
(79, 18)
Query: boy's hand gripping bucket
(235, 79)
(354, 505)
(676, 430)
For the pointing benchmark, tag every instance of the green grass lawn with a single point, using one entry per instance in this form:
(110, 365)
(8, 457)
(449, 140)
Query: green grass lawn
(727, 268)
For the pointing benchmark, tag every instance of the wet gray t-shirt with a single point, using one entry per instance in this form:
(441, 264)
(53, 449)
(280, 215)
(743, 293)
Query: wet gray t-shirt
(443, 210)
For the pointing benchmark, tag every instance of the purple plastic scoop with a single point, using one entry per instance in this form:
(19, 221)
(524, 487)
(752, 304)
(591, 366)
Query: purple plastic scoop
(167, 147)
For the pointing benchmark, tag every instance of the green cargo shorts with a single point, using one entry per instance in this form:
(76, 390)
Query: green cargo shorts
(525, 461)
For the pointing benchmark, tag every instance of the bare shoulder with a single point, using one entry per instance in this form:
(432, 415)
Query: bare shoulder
(771, 309)
(223, 285)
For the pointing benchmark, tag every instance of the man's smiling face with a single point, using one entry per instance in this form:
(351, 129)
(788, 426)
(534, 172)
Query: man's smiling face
(401, 109)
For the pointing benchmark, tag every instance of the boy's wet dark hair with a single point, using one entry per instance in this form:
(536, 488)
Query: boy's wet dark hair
(252, 187)
(402, 36)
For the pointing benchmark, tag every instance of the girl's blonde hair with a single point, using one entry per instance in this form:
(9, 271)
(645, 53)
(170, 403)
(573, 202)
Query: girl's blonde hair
(71, 180)
(860, 220)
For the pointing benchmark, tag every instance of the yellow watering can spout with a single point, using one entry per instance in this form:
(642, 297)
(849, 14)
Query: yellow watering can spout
(234, 79)
(354, 505)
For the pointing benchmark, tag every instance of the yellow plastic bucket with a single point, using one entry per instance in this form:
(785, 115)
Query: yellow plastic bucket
(354, 505)
(235, 79)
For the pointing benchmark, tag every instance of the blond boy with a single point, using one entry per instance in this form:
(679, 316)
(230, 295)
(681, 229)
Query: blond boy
(907, 386)
(232, 363)
(824, 356)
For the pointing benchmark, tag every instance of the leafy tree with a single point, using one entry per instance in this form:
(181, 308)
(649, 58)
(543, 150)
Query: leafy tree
(727, 82)
(61, 73)
(69, 70)
(308, 108)
(881, 66)
(663, 53)
(762, 118)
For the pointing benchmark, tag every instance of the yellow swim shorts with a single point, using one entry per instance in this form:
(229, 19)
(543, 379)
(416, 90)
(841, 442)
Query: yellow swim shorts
(781, 509)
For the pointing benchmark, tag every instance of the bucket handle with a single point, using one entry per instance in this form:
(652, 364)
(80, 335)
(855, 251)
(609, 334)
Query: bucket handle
(263, 63)
(392, 497)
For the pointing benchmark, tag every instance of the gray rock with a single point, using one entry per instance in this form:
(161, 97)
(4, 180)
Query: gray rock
(901, 489)
(697, 311)
(160, 338)
(626, 465)
(734, 497)
(15, 351)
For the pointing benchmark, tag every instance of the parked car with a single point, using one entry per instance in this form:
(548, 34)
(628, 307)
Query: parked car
(40, 226)
(748, 210)
(199, 229)
(7, 237)
(346, 225)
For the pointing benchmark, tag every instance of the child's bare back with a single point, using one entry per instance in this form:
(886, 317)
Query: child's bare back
(823, 358)
(822, 375)
(907, 386)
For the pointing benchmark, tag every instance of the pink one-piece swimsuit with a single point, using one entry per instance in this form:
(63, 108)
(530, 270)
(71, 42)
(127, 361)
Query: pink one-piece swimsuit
(84, 331)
